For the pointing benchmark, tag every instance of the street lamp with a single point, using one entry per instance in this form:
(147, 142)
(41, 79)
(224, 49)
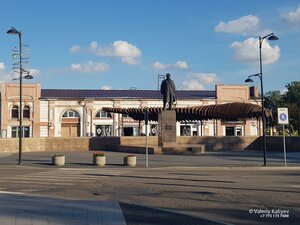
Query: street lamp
(270, 37)
(28, 76)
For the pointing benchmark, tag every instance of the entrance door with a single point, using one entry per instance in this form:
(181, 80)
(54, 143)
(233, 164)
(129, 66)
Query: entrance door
(229, 131)
(70, 130)
(128, 131)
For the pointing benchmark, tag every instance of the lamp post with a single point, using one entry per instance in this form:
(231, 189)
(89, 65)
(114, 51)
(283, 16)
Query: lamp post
(14, 31)
(270, 37)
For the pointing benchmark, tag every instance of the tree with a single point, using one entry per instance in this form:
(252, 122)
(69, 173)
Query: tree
(292, 99)
(273, 100)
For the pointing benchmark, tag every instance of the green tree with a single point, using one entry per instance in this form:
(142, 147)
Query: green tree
(292, 100)
(273, 100)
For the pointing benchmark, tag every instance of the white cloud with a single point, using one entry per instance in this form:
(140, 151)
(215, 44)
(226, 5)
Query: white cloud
(90, 67)
(2, 66)
(197, 81)
(245, 25)
(75, 49)
(128, 53)
(293, 16)
(248, 52)
(94, 46)
(183, 65)
(105, 87)
(159, 66)
(5, 77)
(34, 72)
(11, 75)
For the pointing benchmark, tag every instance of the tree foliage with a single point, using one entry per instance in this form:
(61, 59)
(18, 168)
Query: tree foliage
(291, 100)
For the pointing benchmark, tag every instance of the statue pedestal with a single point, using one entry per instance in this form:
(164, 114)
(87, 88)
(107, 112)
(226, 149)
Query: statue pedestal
(166, 127)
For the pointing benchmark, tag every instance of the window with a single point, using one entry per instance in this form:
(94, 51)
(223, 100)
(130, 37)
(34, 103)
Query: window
(26, 112)
(239, 131)
(185, 130)
(229, 131)
(103, 114)
(15, 132)
(26, 132)
(15, 112)
(71, 114)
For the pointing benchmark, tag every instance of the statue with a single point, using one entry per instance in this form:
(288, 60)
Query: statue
(167, 89)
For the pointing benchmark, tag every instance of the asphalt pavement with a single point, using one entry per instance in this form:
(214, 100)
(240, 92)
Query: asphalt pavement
(115, 159)
(37, 192)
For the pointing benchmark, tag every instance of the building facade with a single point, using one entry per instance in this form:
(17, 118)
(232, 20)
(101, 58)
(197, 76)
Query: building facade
(78, 113)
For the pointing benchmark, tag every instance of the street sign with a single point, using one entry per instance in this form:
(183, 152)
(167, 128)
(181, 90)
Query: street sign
(283, 116)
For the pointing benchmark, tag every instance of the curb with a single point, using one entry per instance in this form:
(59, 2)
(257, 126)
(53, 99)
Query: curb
(258, 168)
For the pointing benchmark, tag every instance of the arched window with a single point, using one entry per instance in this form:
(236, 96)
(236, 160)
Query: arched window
(103, 114)
(26, 112)
(15, 112)
(71, 114)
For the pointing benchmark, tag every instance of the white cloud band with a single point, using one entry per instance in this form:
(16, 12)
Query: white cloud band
(128, 53)
(90, 67)
(245, 25)
(182, 65)
(293, 16)
(197, 81)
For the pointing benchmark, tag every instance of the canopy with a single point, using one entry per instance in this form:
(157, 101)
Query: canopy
(229, 111)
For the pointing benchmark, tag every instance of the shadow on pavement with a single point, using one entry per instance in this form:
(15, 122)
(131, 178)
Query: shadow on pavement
(140, 215)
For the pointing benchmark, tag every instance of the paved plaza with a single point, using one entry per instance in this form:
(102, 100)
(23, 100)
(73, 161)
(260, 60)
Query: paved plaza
(115, 159)
(214, 188)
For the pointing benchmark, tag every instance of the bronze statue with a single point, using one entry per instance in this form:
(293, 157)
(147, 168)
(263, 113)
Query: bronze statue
(167, 89)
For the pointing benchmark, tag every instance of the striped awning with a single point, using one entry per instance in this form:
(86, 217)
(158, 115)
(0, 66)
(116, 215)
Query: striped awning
(229, 111)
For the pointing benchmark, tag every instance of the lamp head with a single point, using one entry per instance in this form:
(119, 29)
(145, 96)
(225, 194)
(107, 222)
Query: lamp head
(13, 31)
(28, 77)
(273, 38)
(249, 80)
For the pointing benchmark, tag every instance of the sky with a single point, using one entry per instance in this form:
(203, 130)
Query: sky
(124, 44)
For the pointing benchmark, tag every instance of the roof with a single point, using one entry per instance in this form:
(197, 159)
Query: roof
(140, 94)
(229, 111)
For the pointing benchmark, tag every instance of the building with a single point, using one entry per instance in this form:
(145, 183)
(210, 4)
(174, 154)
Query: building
(78, 113)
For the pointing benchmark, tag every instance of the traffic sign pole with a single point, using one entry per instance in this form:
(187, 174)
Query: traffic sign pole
(284, 148)
(283, 118)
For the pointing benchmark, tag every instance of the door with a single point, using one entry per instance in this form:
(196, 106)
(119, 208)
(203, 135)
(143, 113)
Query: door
(70, 130)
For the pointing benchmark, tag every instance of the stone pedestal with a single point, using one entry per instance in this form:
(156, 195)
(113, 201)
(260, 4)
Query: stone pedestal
(166, 127)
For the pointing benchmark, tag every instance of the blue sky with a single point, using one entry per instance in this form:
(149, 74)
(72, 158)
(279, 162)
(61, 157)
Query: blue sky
(118, 44)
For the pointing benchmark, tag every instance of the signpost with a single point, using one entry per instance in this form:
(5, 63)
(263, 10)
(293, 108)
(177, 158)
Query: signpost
(283, 118)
